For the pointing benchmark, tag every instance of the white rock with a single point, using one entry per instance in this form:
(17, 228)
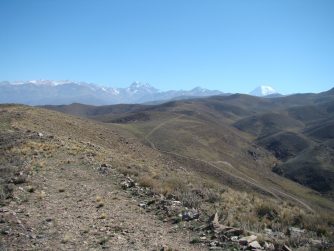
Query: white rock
(254, 245)
(247, 239)
(234, 238)
(269, 246)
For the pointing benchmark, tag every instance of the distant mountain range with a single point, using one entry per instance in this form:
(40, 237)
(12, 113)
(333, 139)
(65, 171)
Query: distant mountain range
(49, 92)
(41, 92)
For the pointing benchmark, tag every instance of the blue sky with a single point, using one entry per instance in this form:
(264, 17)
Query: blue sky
(232, 46)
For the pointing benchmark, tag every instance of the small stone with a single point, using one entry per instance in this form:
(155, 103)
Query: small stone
(254, 245)
(128, 183)
(190, 215)
(30, 189)
(317, 243)
(142, 205)
(215, 220)
(268, 231)
(103, 241)
(247, 239)
(296, 232)
(214, 244)
(98, 198)
(66, 238)
(85, 231)
(4, 231)
(103, 216)
(41, 195)
(234, 238)
(100, 204)
(269, 246)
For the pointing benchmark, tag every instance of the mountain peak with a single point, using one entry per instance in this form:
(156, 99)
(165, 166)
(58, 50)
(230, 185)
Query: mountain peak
(138, 84)
(42, 92)
(140, 87)
(199, 89)
(263, 90)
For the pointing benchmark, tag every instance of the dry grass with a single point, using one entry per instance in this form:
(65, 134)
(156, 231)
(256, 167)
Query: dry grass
(250, 211)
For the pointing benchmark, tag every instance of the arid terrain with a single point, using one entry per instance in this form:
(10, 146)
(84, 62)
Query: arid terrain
(70, 183)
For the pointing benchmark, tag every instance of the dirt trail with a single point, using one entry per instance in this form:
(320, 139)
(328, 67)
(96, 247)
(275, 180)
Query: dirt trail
(74, 207)
(156, 128)
(273, 191)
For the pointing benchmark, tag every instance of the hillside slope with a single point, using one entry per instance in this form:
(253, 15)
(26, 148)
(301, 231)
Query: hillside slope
(250, 133)
(71, 183)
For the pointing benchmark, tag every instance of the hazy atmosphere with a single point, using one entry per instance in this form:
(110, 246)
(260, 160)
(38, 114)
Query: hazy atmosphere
(231, 46)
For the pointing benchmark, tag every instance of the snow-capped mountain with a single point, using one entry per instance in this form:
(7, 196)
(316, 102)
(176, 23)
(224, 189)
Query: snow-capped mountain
(49, 92)
(137, 87)
(263, 90)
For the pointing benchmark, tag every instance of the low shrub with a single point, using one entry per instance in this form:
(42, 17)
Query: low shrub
(266, 211)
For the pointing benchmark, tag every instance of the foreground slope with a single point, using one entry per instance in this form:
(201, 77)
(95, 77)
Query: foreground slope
(62, 198)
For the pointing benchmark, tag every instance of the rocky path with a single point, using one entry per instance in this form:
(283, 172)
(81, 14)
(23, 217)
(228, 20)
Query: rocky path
(68, 206)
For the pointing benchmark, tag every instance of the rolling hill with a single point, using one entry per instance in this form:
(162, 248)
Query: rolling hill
(72, 182)
(252, 134)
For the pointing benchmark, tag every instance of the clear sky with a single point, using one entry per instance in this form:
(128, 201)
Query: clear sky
(232, 45)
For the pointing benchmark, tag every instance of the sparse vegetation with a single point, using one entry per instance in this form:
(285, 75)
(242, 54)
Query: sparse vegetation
(175, 178)
(266, 211)
(189, 199)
